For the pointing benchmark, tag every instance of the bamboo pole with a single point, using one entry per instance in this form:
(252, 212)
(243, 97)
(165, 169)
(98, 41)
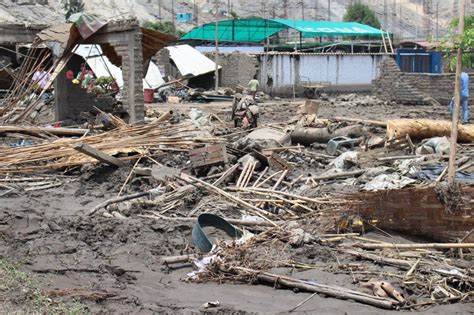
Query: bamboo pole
(457, 101)
(333, 291)
(415, 246)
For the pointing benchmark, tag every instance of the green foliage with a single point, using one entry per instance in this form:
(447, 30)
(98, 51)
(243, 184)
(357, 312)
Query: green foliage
(21, 294)
(72, 6)
(165, 27)
(453, 40)
(362, 13)
(104, 82)
(234, 15)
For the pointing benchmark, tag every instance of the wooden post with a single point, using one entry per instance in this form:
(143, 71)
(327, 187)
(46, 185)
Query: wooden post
(457, 101)
(216, 57)
(99, 155)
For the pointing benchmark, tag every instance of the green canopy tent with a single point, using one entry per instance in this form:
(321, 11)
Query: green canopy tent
(257, 30)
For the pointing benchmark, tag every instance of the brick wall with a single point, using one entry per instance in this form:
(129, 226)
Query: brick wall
(237, 68)
(439, 86)
(414, 88)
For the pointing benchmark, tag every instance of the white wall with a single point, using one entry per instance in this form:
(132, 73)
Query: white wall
(345, 72)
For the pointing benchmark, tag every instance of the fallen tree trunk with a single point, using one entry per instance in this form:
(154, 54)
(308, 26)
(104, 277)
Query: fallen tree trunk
(427, 128)
(332, 291)
(306, 136)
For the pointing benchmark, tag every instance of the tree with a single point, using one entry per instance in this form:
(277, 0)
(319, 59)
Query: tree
(165, 27)
(453, 40)
(72, 6)
(362, 13)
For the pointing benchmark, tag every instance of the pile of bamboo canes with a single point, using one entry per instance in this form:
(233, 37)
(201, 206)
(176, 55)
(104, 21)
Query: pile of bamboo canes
(24, 92)
(60, 153)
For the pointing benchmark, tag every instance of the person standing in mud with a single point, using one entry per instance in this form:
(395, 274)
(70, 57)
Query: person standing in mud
(464, 98)
(253, 86)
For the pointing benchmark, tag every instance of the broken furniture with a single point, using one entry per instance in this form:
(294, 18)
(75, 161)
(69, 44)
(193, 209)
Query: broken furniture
(335, 145)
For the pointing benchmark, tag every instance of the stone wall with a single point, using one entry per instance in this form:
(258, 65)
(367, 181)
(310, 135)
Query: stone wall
(237, 68)
(414, 88)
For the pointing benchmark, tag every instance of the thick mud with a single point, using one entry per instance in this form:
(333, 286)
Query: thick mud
(50, 233)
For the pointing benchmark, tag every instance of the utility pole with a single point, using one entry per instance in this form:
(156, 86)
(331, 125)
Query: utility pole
(437, 21)
(401, 23)
(216, 57)
(394, 16)
(316, 9)
(173, 16)
(457, 101)
(196, 13)
(159, 10)
(385, 15)
(329, 10)
(302, 9)
(285, 9)
(427, 15)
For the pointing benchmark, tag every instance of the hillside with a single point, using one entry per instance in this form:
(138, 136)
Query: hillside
(405, 18)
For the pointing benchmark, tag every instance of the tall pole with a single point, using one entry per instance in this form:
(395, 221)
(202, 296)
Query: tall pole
(216, 57)
(196, 13)
(159, 9)
(329, 10)
(457, 101)
(385, 15)
(401, 22)
(437, 21)
(173, 16)
(316, 9)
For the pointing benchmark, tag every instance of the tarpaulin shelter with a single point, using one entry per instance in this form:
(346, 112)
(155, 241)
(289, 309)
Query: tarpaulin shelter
(257, 30)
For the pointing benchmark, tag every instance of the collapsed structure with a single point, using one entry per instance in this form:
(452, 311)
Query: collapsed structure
(335, 188)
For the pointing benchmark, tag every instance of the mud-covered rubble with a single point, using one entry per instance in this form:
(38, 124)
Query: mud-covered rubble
(302, 207)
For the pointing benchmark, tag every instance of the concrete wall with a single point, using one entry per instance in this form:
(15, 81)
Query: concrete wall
(414, 88)
(237, 68)
(345, 72)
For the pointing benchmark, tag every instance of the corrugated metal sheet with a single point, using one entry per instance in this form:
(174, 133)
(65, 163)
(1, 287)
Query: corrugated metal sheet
(101, 65)
(189, 61)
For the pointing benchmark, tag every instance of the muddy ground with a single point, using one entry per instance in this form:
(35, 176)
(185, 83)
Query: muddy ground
(50, 233)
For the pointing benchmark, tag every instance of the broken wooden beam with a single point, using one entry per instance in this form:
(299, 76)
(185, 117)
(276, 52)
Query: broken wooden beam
(99, 155)
(329, 290)
(33, 130)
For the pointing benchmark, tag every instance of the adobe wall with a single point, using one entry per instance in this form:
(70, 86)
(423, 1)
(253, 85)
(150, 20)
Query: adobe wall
(414, 88)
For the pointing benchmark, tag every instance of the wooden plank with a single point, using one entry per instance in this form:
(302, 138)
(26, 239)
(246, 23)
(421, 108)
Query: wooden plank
(33, 130)
(99, 155)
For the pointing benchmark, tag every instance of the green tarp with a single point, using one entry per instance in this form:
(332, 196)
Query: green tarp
(256, 30)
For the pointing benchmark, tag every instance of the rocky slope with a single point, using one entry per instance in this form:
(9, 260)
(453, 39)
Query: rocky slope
(51, 11)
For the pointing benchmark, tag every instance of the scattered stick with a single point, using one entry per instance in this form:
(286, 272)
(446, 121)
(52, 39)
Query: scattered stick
(178, 259)
(117, 199)
(280, 179)
(225, 175)
(129, 176)
(302, 302)
(257, 211)
(260, 177)
(416, 246)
